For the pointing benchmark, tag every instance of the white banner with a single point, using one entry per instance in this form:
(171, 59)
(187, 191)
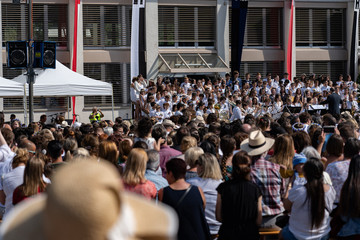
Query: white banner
(134, 60)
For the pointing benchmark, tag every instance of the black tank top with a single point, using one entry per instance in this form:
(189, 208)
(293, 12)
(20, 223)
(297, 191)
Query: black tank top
(192, 222)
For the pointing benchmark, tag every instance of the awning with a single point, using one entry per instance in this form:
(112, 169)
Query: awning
(191, 63)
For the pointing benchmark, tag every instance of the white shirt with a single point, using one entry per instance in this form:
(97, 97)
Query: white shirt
(300, 219)
(236, 114)
(9, 182)
(209, 186)
(178, 113)
(349, 105)
(6, 153)
(186, 86)
(210, 111)
(152, 112)
(199, 113)
(167, 113)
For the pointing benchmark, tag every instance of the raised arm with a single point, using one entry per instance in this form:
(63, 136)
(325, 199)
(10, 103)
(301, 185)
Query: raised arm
(2, 139)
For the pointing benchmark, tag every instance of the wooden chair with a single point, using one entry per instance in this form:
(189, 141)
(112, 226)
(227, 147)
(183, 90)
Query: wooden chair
(268, 232)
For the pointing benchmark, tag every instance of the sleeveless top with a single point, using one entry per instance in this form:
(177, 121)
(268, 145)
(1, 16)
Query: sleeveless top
(192, 222)
(239, 210)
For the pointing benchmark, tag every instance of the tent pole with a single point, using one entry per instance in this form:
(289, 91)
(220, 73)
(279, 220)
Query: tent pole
(25, 107)
(68, 101)
(112, 102)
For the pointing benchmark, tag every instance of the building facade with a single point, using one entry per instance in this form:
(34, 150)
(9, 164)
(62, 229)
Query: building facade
(187, 37)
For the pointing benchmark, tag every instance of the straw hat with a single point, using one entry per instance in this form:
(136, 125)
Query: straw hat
(199, 119)
(86, 201)
(168, 123)
(256, 144)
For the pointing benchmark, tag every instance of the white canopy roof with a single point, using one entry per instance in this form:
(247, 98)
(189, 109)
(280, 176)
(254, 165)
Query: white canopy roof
(10, 88)
(64, 82)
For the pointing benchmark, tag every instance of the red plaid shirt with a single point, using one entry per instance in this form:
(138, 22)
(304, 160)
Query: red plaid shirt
(266, 175)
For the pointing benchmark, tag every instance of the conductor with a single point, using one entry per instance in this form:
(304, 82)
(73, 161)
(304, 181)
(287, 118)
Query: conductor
(334, 101)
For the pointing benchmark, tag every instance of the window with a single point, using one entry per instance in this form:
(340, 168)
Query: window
(187, 26)
(107, 26)
(263, 27)
(49, 23)
(118, 74)
(333, 68)
(274, 67)
(17, 103)
(320, 27)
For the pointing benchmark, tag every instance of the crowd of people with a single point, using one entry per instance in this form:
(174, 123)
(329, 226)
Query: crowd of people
(233, 98)
(231, 157)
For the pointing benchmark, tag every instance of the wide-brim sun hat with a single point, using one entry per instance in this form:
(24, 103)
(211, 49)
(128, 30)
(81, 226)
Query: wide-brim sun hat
(168, 123)
(86, 200)
(256, 144)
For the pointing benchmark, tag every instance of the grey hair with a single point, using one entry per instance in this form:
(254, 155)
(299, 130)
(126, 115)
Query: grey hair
(154, 160)
(108, 131)
(311, 152)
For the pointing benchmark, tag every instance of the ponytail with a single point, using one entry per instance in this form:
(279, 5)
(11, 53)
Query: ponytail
(313, 169)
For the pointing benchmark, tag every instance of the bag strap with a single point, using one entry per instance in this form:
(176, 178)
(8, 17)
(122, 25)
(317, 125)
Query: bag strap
(183, 196)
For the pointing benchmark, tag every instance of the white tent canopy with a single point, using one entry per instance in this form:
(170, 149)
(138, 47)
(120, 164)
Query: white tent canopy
(10, 88)
(62, 81)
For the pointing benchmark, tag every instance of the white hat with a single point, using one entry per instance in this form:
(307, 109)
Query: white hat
(64, 124)
(256, 144)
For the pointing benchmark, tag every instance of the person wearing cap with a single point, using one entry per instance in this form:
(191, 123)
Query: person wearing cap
(266, 175)
(169, 125)
(298, 162)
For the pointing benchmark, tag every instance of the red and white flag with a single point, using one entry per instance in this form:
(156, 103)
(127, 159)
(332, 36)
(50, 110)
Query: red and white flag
(74, 56)
(290, 42)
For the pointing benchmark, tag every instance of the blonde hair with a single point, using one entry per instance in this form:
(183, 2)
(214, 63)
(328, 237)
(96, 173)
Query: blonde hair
(81, 153)
(187, 142)
(284, 151)
(109, 152)
(192, 155)
(135, 167)
(33, 176)
(209, 167)
(22, 156)
(47, 134)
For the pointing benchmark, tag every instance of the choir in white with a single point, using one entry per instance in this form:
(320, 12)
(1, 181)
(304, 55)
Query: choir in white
(233, 98)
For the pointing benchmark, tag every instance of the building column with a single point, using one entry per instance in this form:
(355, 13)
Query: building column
(286, 31)
(152, 39)
(349, 30)
(222, 30)
(1, 58)
(79, 104)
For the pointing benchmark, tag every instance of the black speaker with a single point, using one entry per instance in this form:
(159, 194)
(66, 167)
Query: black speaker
(17, 54)
(49, 55)
(38, 54)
